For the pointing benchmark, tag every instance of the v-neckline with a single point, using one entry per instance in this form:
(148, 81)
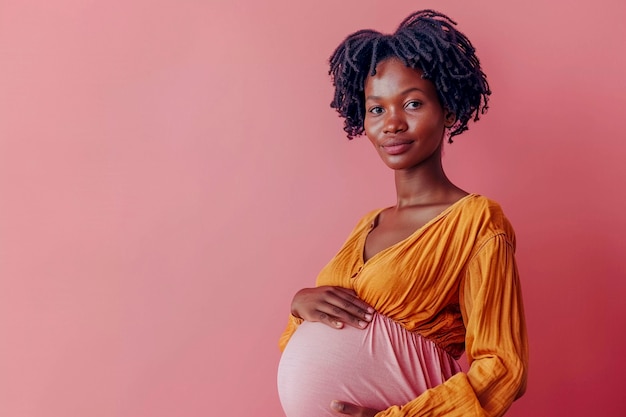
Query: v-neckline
(417, 231)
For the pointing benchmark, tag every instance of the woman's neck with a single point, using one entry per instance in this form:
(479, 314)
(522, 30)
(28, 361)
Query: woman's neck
(425, 185)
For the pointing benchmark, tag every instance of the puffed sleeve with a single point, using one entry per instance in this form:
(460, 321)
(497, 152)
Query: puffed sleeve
(292, 325)
(496, 344)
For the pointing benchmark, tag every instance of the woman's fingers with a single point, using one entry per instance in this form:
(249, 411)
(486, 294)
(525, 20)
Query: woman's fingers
(343, 306)
(353, 303)
(334, 306)
(345, 408)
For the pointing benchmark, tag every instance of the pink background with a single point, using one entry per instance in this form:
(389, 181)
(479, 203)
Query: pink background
(170, 173)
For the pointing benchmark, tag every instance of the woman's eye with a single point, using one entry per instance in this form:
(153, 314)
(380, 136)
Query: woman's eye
(376, 110)
(413, 104)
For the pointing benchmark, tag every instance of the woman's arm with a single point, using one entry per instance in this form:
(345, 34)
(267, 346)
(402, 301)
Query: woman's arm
(496, 344)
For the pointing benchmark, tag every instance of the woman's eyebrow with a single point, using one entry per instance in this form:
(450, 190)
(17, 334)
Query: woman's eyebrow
(403, 93)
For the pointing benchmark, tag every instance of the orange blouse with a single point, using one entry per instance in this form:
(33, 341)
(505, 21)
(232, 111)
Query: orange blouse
(455, 282)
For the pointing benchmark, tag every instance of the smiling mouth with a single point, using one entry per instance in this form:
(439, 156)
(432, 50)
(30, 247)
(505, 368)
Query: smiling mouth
(395, 147)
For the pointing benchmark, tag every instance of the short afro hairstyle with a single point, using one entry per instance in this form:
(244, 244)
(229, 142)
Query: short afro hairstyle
(426, 40)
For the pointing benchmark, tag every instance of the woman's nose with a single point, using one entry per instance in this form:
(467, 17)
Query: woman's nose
(394, 123)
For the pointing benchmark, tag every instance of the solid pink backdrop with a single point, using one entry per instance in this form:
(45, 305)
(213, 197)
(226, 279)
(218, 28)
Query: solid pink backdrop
(171, 173)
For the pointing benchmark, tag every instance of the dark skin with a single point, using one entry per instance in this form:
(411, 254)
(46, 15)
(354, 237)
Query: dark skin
(406, 124)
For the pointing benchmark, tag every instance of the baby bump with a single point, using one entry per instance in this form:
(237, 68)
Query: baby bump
(375, 367)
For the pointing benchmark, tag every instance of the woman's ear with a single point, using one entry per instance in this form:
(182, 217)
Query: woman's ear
(450, 118)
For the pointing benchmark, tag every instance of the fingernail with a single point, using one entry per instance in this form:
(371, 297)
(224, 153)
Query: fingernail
(370, 309)
(336, 405)
(338, 324)
(362, 323)
(368, 317)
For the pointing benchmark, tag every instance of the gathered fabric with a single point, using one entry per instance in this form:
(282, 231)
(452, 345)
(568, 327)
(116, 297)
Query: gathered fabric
(454, 282)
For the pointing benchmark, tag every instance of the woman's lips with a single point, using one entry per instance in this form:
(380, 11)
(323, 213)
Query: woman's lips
(396, 147)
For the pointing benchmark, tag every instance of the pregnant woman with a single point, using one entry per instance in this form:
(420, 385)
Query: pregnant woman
(416, 284)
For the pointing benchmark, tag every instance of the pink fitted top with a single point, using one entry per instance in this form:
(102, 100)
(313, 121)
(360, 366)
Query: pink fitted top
(375, 367)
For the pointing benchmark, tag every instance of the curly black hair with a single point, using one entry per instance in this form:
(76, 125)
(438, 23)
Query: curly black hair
(426, 40)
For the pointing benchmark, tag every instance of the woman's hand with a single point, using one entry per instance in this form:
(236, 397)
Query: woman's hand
(340, 407)
(333, 306)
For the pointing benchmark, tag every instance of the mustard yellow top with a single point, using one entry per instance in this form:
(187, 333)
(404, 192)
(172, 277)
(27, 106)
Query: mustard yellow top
(454, 281)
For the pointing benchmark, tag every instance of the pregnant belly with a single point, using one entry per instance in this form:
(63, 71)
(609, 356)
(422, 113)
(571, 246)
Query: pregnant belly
(377, 367)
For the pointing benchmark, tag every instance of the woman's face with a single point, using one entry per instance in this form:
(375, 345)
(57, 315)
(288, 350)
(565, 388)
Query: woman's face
(404, 119)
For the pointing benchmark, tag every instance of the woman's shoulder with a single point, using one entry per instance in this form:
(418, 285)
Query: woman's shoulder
(486, 213)
(369, 217)
(480, 203)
